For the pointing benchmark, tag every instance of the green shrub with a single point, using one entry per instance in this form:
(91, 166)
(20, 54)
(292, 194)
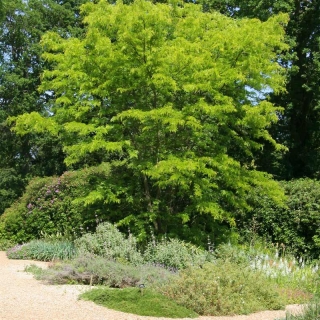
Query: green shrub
(296, 227)
(43, 251)
(297, 279)
(110, 243)
(87, 269)
(223, 288)
(174, 253)
(5, 244)
(49, 207)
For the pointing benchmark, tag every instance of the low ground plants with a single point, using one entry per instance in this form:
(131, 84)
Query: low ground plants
(144, 302)
(108, 242)
(87, 269)
(298, 279)
(223, 288)
(233, 280)
(175, 254)
(43, 250)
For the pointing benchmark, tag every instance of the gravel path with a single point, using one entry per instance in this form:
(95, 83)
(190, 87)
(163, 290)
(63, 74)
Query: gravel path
(24, 298)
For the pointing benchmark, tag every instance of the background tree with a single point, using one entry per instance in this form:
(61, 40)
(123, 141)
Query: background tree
(21, 65)
(298, 127)
(161, 92)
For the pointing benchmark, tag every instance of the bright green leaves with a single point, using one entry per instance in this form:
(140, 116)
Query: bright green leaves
(34, 122)
(161, 91)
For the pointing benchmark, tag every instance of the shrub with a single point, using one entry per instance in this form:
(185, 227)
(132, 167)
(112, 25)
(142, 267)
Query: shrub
(43, 251)
(87, 269)
(5, 244)
(176, 254)
(223, 288)
(296, 227)
(297, 279)
(110, 243)
(49, 207)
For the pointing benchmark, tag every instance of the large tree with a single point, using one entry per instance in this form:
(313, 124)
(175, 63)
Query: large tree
(299, 125)
(162, 92)
(21, 65)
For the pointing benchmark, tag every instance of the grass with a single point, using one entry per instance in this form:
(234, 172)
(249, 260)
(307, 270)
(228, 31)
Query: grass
(43, 250)
(144, 303)
(37, 272)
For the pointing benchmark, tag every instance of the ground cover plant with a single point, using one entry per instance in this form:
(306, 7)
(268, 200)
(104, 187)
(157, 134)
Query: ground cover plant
(43, 250)
(108, 242)
(87, 269)
(144, 302)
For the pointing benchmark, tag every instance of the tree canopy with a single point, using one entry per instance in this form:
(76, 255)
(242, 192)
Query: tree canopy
(298, 127)
(169, 95)
(22, 24)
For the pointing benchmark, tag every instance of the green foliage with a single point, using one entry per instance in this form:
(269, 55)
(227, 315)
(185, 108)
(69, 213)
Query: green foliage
(296, 226)
(161, 91)
(131, 300)
(298, 126)
(43, 251)
(22, 23)
(223, 288)
(297, 279)
(11, 187)
(108, 242)
(176, 254)
(93, 270)
(5, 244)
(47, 208)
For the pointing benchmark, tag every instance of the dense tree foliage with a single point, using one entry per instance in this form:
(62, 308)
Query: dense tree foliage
(187, 105)
(21, 65)
(162, 92)
(294, 228)
(298, 127)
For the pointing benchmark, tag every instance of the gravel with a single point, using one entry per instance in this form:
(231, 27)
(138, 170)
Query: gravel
(24, 298)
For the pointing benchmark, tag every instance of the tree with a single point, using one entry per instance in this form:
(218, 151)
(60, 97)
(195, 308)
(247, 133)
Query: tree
(162, 92)
(298, 127)
(21, 29)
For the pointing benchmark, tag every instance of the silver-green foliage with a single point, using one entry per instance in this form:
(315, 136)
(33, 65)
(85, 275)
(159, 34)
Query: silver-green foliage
(174, 253)
(88, 269)
(110, 243)
(43, 250)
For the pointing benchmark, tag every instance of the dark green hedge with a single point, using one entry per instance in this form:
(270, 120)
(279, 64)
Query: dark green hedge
(47, 208)
(294, 228)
